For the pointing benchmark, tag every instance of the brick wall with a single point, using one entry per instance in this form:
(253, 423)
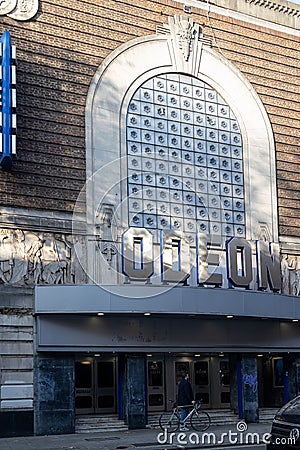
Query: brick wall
(58, 53)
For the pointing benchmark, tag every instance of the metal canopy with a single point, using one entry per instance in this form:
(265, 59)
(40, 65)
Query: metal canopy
(90, 299)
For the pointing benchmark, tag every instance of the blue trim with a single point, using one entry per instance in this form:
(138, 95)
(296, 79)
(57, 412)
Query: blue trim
(240, 389)
(6, 157)
(257, 263)
(142, 253)
(146, 389)
(230, 284)
(161, 249)
(197, 259)
(121, 369)
(122, 252)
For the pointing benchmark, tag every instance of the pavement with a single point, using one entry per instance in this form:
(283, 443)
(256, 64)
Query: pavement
(235, 435)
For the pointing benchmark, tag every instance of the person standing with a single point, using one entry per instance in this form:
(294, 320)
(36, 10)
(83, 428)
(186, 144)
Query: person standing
(185, 398)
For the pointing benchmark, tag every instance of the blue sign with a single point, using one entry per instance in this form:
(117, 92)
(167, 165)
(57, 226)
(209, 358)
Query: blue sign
(8, 100)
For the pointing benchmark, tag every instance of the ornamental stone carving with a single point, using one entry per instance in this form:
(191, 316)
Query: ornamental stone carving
(186, 42)
(19, 9)
(109, 251)
(185, 30)
(7, 6)
(105, 221)
(38, 258)
(290, 270)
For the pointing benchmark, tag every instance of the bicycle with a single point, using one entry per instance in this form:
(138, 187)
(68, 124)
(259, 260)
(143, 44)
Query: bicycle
(198, 419)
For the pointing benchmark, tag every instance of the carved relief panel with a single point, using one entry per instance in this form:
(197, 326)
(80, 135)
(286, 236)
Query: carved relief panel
(290, 272)
(39, 258)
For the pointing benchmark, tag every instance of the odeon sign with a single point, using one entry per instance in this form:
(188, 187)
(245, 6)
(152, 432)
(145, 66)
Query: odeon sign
(175, 260)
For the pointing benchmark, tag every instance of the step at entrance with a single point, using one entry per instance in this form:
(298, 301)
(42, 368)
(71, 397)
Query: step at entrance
(99, 423)
(103, 423)
(267, 414)
(110, 422)
(218, 417)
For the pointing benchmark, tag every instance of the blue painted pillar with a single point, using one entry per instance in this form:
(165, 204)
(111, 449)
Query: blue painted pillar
(121, 381)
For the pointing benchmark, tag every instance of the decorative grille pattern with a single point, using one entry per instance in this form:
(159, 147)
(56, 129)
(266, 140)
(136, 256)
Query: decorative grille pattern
(185, 167)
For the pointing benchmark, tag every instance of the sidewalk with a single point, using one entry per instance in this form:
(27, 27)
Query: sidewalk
(146, 439)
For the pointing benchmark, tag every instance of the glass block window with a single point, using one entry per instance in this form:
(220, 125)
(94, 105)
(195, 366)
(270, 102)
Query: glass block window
(185, 158)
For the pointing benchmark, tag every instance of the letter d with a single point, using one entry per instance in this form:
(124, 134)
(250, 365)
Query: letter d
(163, 435)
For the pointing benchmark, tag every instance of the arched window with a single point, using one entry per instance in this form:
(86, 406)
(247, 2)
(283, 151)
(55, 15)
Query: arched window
(176, 138)
(185, 158)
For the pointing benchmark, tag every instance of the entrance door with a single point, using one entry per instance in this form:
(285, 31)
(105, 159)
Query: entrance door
(95, 385)
(224, 379)
(175, 367)
(220, 382)
(105, 398)
(201, 381)
(84, 382)
(199, 371)
(209, 377)
(156, 391)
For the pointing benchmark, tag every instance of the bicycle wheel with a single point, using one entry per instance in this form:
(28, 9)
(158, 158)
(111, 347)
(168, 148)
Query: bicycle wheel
(200, 420)
(169, 421)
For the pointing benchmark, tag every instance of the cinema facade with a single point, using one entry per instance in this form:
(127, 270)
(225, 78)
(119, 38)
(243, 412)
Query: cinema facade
(174, 256)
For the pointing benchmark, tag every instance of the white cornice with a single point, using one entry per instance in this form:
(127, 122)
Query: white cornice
(280, 15)
(280, 7)
(277, 6)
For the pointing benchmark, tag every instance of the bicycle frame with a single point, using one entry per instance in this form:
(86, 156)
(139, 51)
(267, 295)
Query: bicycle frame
(197, 418)
(195, 407)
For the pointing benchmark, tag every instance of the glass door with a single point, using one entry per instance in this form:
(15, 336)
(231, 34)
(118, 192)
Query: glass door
(201, 380)
(105, 398)
(181, 367)
(220, 382)
(224, 377)
(84, 383)
(95, 385)
(156, 396)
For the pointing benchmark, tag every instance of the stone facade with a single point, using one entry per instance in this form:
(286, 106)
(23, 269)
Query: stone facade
(16, 360)
(60, 46)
